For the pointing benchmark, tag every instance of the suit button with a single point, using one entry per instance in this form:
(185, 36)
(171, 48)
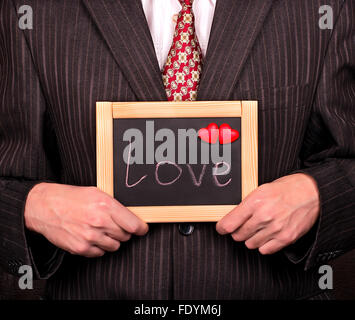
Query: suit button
(186, 229)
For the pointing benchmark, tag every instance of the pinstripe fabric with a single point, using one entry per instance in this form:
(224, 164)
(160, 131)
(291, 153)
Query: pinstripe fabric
(324, 296)
(83, 51)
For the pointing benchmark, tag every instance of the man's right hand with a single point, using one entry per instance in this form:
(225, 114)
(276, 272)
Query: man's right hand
(81, 220)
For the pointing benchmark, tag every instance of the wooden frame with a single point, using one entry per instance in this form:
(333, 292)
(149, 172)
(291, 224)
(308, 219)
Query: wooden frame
(247, 110)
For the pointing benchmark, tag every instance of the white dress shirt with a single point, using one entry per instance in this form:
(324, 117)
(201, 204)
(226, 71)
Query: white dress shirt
(161, 17)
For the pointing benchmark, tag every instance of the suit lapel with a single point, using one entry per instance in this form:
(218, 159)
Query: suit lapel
(123, 25)
(235, 27)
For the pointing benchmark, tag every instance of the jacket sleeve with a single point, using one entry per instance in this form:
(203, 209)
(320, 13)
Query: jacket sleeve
(28, 154)
(328, 152)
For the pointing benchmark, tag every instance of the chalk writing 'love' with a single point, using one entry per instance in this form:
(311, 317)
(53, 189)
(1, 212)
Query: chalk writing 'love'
(196, 181)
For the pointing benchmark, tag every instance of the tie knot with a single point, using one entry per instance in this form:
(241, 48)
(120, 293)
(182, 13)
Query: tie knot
(186, 3)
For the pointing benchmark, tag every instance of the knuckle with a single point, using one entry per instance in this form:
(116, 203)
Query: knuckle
(277, 226)
(120, 235)
(245, 214)
(70, 250)
(265, 217)
(96, 220)
(98, 201)
(264, 251)
(285, 237)
(264, 187)
(115, 246)
(102, 202)
(136, 227)
(131, 228)
(293, 237)
(258, 202)
(90, 236)
(98, 254)
(250, 244)
(92, 192)
(82, 249)
(264, 190)
(95, 254)
(126, 237)
(227, 227)
(237, 237)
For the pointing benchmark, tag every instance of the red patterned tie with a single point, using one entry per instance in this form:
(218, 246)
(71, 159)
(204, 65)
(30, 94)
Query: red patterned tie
(181, 75)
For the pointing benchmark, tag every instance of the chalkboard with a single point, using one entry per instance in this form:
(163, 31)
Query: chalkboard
(143, 164)
(174, 183)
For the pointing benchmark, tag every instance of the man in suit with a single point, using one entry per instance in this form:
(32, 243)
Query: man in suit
(87, 244)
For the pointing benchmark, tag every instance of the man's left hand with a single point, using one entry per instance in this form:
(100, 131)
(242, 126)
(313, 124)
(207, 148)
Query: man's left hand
(275, 215)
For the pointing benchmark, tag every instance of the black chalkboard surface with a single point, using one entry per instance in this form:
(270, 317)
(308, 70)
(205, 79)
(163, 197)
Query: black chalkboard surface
(174, 184)
(164, 180)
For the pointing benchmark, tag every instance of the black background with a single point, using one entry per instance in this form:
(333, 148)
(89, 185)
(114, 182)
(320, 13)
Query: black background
(183, 191)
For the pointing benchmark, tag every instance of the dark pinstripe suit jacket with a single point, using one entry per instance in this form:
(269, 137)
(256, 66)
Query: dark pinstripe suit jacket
(83, 51)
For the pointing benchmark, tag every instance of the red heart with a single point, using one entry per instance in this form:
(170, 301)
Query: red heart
(209, 134)
(227, 134)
